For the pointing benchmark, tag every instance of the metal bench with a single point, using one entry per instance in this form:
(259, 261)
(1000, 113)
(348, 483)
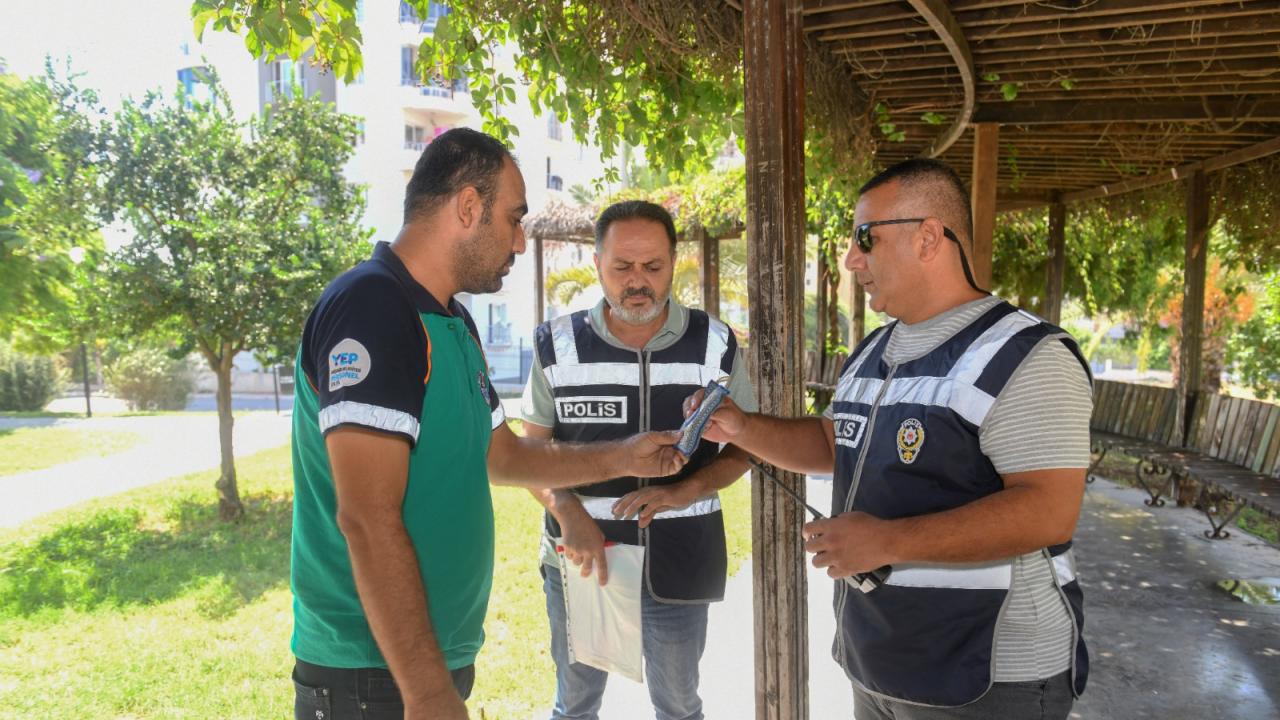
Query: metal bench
(1230, 457)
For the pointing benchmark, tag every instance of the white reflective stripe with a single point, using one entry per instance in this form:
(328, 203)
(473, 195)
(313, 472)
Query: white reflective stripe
(848, 376)
(717, 343)
(498, 416)
(1064, 566)
(682, 373)
(562, 375)
(969, 367)
(601, 508)
(603, 373)
(563, 341)
(975, 576)
(966, 400)
(378, 418)
(972, 576)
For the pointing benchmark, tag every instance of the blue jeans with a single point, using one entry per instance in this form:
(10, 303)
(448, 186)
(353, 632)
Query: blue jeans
(674, 637)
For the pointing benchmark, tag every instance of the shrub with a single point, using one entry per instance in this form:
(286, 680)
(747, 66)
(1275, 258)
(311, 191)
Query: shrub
(148, 379)
(27, 382)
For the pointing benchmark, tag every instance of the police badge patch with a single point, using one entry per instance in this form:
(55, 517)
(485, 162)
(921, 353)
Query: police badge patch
(910, 438)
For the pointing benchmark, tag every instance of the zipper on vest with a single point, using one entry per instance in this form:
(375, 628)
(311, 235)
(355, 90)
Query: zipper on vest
(848, 502)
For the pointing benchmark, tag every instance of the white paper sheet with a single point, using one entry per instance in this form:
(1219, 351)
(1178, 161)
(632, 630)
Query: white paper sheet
(604, 622)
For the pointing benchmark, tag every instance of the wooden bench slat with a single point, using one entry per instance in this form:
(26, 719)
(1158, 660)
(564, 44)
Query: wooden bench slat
(1258, 412)
(1271, 465)
(1266, 439)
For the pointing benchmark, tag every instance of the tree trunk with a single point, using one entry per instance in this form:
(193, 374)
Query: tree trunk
(229, 505)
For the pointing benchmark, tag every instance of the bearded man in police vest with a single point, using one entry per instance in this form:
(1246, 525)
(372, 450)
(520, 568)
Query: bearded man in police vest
(623, 367)
(959, 438)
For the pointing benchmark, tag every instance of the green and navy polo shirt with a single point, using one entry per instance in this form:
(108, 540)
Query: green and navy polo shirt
(379, 352)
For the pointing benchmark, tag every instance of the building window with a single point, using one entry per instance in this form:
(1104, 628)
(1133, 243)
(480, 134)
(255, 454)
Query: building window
(499, 326)
(287, 78)
(196, 85)
(554, 182)
(408, 58)
(554, 127)
(435, 12)
(416, 137)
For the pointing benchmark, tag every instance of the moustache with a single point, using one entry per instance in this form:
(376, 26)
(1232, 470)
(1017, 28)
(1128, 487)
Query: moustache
(645, 292)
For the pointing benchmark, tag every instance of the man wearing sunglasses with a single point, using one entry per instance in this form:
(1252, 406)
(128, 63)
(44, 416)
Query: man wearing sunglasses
(959, 439)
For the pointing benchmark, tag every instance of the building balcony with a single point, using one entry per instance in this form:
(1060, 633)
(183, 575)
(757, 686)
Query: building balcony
(435, 99)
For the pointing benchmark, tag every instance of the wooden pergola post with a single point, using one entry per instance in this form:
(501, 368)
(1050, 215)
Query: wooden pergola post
(1056, 270)
(986, 157)
(539, 284)
(709, 272)
(773, 58)
(1190, 362)
(857, 312)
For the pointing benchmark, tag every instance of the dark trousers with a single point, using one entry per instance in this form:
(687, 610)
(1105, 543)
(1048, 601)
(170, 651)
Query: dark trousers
(325, 693)
(1048, 699)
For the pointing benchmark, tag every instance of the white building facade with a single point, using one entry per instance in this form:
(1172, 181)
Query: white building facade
(399, 116)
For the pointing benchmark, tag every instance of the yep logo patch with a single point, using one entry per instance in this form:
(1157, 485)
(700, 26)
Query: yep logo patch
(592, 409)
(849, 429)
(349, 364)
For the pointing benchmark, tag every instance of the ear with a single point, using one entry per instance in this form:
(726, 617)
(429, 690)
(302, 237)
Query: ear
(469, 207)
(932, 239)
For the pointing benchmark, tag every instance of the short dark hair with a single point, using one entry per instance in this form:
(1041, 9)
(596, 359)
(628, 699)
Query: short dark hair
(454, 160)
(951, 194)
(633, 210)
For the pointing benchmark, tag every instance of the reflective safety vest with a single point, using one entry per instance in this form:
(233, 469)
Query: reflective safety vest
(907, 444)
(605, 392)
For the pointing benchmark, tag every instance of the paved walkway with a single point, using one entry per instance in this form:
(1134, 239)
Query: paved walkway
(175, 445)
(1165, 643)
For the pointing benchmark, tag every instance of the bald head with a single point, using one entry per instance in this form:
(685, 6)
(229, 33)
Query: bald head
(930, 188)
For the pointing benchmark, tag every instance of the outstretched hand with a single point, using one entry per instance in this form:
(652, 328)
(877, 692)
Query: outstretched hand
(653, 454)
(726, 422)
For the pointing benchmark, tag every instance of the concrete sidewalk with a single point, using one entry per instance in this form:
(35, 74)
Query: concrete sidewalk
(175, 445)
(1164, 641)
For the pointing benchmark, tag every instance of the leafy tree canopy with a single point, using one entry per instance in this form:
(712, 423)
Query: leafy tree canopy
(237, 228)
(49, 231)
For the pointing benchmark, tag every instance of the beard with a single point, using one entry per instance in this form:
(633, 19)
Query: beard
(638, 316)
(474, 268)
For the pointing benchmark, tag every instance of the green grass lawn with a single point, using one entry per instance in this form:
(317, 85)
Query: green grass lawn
(34, 448)
(144, 605)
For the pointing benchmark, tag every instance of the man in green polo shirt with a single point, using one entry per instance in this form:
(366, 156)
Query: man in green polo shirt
(397, 433)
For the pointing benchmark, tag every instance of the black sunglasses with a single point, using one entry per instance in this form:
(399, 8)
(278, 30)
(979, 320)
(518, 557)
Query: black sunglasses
(862, 238)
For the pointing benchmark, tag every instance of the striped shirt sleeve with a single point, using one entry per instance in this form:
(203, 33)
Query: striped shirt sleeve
(1041, 419)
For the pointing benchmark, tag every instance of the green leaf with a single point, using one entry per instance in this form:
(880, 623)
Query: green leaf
(1010, 90)
(991, 77)
(1067, 83)
(933, 118)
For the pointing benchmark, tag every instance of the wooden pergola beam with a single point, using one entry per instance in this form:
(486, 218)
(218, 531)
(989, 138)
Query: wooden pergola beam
(1055, 271)
(1041, 112)
(939, 17)
(1253, 152)
(773, 71)
(1192, 31)
(1053, 26)
(986, 157)
(709, 271)
(1190, 361)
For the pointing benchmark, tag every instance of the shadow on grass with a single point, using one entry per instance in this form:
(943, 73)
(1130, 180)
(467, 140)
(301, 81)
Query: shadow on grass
(117, 558)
